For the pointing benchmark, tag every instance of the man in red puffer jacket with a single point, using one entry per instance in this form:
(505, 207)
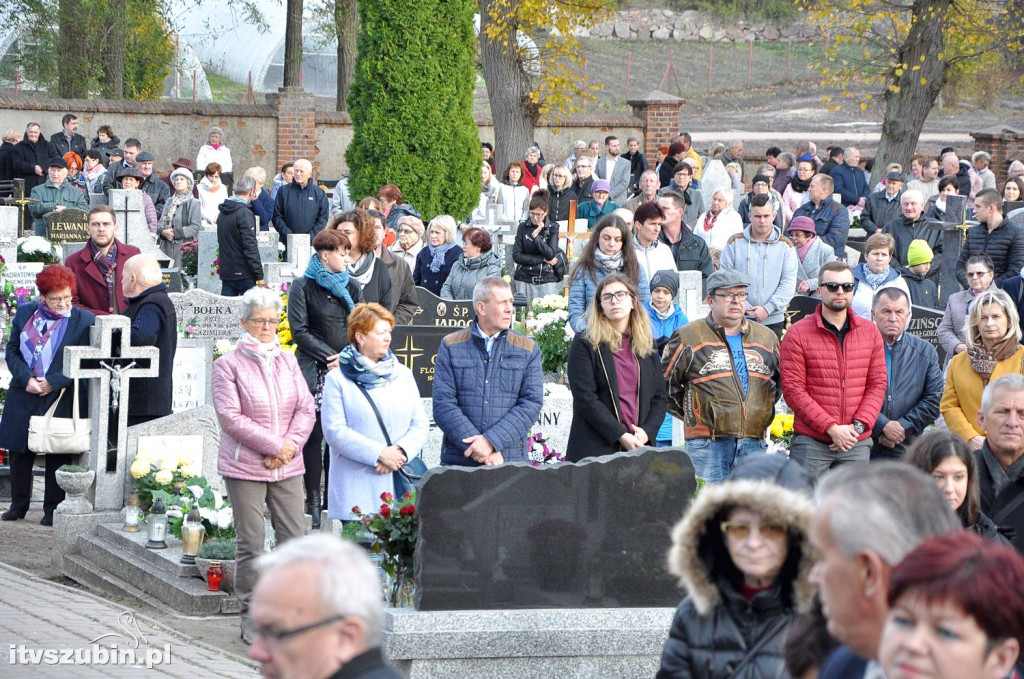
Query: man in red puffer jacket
(833, 377)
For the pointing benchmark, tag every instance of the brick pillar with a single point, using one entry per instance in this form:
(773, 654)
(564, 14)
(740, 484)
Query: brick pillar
(659, 112)
(296, 126)
(1004, 143)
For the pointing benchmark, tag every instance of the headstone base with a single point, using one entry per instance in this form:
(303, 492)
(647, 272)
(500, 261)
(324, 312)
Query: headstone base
(566, 643)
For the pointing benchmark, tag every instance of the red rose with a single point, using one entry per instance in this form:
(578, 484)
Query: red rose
(357, 511)
(407, 496)
(407, 510)
(385, 511)
(387, 497)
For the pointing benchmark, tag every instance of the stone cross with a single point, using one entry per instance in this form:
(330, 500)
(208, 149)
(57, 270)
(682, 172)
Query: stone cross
(131, 224)
(299, 253)
(209, 280)
(110, 362)
(954, 233)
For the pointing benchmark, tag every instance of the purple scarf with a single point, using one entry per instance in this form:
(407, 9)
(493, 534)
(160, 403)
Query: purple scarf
(107, 264)
(41, 338)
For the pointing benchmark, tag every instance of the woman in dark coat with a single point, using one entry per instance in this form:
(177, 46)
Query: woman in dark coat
(434, 262)
(562, 191)
(742, 554)
(318, 307)
(35, 357)
(618, 392)
(536, 251)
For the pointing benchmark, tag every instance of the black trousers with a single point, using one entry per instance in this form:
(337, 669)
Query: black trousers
(317, 461)
(237, 288)
(21, 482)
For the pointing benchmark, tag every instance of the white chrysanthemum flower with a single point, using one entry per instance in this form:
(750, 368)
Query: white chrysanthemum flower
(164, 477)
(225, 518)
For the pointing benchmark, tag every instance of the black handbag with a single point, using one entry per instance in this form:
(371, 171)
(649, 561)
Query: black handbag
(409, 474)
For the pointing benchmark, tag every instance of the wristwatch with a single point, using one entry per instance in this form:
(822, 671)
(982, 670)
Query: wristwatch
(858, 427)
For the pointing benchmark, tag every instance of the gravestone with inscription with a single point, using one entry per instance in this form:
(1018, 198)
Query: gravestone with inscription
(193, 364)
(67, 226)
(9, 233)
(194, 432)
(23, 275)
(587, 535)
(448, 313)
(416, 347)
(131, 224)
(213, 316)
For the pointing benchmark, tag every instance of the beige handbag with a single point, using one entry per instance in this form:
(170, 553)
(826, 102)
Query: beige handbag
(59, 435)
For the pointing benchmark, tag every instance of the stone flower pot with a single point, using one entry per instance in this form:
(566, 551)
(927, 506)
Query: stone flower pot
(228, 583)
(75, 484)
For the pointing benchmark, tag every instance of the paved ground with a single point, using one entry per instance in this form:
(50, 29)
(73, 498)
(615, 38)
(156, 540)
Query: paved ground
(37, 615)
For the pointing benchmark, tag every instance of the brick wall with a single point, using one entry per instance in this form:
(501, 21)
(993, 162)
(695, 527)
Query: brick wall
(1004, 143)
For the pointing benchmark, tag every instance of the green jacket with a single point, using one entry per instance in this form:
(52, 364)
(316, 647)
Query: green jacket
(703, 389)
(49, 197)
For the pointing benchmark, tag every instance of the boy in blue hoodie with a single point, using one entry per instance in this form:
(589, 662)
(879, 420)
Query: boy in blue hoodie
(666, 316)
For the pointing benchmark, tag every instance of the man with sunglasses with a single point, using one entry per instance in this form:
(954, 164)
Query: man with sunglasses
(316, 613)
(833, 377)
(723, 379)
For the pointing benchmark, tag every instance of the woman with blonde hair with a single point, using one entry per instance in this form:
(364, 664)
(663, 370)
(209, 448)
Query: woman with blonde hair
(993, 350)
(434, 262)
(262, 205)
(618, 391)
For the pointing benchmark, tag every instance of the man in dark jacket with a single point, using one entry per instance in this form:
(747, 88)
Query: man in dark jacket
(914, 385)
(682, 183)
(301, 206)
(951, 167)
(676, 152)
(342, 634)
(117, 168)
(690, 251)
(883, 206)
(858, 542)
(68, 139)
(31, 156)
(488, 385)
(995, 236)
(154, 324)
(849, 179)
(1001, 458)
(835, 158)
(912, 225)
(7, 155)
(240, 265)
(99, 266)
(831, 220)
(151, 184)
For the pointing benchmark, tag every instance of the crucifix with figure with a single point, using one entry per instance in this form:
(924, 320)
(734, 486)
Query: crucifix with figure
(110, 362)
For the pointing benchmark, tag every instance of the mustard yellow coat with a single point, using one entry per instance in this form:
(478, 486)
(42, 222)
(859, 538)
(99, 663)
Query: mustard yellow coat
(961, 400)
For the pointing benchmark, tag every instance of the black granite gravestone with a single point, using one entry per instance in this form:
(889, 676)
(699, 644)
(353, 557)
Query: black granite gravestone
(435, 311)
(416, 347)
(67, 226)
(173, 280)
(588, 535)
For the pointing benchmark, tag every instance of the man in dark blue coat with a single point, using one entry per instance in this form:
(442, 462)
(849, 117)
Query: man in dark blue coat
(831, 220)
(68, 138)
(301, 206)
(915, 384)
(488, 384)
(850, 182)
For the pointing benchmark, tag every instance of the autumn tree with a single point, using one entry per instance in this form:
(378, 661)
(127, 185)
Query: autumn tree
(412, 105)
(906, 52)
(532, 64)
(293, 44)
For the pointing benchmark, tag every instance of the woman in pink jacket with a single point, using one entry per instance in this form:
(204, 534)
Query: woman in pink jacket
(266, 414)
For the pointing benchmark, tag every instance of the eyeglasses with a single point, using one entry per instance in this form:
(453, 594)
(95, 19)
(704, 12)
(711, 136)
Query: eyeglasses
(405, 229)
(977, 274)
(740, 530)
(732, 296)
(263, 322)
(59, 300)
(834, 287)
(583, 167)
(619, 296)
(537, 215)
(272, 634)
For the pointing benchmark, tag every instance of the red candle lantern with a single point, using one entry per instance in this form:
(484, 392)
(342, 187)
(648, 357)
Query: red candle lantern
(214, 576)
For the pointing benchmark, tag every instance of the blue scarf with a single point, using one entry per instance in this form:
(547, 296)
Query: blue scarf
(334, 283)
(362, 370)
(437, 254)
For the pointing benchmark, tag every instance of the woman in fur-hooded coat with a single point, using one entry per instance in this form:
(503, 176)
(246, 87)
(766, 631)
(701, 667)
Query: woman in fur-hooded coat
(725, 628)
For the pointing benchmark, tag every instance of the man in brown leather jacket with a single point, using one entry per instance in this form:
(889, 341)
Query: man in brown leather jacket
(723, 379)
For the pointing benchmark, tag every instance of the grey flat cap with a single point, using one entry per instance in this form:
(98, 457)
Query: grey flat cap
(727, 278)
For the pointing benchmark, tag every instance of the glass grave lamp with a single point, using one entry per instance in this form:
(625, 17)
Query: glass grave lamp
(157, 521)
(132, 515)
(192, 533)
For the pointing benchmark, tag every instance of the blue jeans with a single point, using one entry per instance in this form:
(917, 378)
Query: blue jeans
(714, 459)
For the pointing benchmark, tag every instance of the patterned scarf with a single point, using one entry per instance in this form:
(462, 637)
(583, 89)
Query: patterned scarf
(261, 352)
(334, 283)
(177, 201)
(437, 253)
(609, 263)
(709, 220)
(107, 264)
(362, 370)
(984, 361)
(362, 270)
(42, 336)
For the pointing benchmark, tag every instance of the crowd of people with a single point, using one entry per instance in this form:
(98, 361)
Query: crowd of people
(912, 462)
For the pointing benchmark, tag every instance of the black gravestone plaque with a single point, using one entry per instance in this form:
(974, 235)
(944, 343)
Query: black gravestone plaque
(416, 347)
(433, 310)
(588, 535)
(67, 226)
(172, 279)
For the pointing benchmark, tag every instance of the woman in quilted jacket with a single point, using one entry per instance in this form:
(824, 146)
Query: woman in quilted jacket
(742, 553)
(266, 413)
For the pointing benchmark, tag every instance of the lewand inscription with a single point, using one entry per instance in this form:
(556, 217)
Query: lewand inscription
(67, 226)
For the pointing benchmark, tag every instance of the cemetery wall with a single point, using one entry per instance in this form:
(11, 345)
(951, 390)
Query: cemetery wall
(666, 25)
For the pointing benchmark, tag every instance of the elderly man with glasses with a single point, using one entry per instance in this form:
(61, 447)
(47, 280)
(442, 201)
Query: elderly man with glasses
(833, 377)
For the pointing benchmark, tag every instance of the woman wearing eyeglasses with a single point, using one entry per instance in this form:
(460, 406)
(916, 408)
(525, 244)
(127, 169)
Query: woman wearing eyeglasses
(266, 414)
(742, 554)
(35, 356)
(952, 330)
(618, 392)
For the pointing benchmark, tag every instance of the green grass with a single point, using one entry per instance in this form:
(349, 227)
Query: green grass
(225, 90)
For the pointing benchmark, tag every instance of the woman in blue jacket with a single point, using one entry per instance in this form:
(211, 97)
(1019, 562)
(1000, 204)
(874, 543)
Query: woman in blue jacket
(609, 250)
(435, 261)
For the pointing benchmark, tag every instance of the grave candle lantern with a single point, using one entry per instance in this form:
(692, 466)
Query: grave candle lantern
(214, 575)
(132, 515)
(157, 521)
(192, 533)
